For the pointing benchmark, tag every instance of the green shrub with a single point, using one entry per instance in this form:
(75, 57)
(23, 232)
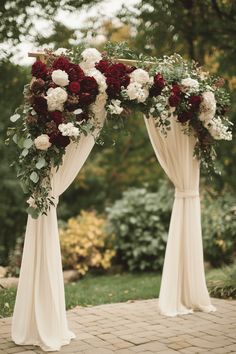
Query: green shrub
(219, 229)
(222, 282)
(140, 221)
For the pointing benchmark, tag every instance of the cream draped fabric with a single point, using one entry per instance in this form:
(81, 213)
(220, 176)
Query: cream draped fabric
(183, 286)
(39, 315)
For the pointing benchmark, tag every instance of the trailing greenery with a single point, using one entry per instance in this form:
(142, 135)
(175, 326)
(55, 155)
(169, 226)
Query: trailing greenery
(222, 282)
(140, 222)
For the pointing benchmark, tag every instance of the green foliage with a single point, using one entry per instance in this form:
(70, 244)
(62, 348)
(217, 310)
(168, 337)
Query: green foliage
(222, 282)
(219, 228)
(140, 222)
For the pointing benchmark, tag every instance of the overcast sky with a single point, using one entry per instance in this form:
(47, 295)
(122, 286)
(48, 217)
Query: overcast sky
(76, 21)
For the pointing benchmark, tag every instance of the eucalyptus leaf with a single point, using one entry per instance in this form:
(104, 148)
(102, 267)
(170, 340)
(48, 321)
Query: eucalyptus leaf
(14, 118)
(34, 177)
(41, 163)
(25, 152)
(14, 138)
(28, 143)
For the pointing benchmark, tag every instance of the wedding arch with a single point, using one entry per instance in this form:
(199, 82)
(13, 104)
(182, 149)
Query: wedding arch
(69, 98)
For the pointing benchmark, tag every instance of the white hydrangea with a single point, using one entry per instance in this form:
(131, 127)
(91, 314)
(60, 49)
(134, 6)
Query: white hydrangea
(218, 130)
(136, 91)
(207, 107)
(115, 107)
(42, 142)
(56, 97)
(60, 77)
(60, 51)
(189, 84)
(140, 76)
(69, 129)
(99, 77)
(90, 57)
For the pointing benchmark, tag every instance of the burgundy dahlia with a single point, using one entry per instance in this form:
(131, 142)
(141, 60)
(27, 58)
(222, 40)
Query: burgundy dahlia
(59, 140)
(116, 70)
(75, 72)
(185, 116)
(61, 63)
(39, 69)
(86, 98)
(113, 87)
(195, 101)
(158, 85)
(102, 66)
(74, 87)
(82, 116)
(89, 85)
(37, 86)
(174, 100)
(57, 117)
(176, 89)
(40, 105)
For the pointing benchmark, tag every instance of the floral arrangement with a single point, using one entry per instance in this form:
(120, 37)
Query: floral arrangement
(70, 87)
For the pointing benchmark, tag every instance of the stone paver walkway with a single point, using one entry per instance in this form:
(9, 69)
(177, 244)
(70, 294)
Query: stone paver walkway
(136, 327)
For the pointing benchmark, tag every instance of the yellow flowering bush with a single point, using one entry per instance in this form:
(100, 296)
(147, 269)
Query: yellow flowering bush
(85, 243)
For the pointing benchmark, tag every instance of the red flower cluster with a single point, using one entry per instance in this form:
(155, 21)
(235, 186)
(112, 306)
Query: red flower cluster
(157, 87)
(116, 76)
(39, 70)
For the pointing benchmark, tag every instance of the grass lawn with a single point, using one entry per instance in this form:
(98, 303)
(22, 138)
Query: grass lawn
(103, 289)
(96, 290)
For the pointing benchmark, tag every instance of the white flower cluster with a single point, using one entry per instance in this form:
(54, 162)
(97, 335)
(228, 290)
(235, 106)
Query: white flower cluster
(115, 107)
(42, 142)
(90, 56)
(61, 51)
(138, 87)
(69, 129)
(218, 130)
(189, 85)
(60, 77)
(207, 107)
(56, 97)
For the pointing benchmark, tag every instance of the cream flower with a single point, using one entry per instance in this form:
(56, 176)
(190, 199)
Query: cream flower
(69, 129)
(136, 91)
(218, 130)
(115, 107)
(90, 57)
(60, 51)
(56, 98)
(140, 76)
(189, 84)
(42, 142)
(207, 107)
(60, 77)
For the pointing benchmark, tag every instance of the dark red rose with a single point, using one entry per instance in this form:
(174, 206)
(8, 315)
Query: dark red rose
(89, 84)
(174, 100)
(40, 105)
(59, 140)
(159, 81)
(195, 101)
(39, 69)
(185, 116)
(74, 87)
(116, 70)
(72, 103)
(113, 87)
(61, 63)
(86, 98)
(82, 116)
(176, 89)
(75, 72)
(102, 66)
(57, 117)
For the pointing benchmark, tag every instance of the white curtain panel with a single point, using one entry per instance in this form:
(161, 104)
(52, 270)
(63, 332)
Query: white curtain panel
(39, 315)
(183, 285)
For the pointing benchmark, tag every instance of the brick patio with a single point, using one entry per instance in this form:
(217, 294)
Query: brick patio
(136, 327)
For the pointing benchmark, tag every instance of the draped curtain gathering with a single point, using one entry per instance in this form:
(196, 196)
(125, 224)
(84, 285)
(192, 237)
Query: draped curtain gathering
(183, 286)
(39, 315)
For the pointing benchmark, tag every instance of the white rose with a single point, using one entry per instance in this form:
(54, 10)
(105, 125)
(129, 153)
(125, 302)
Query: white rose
(60, 51)
(69, 129)
(114, 107)
(142, 95)
(135, 91)
(207, 107)
(42, 142)
(60, 77)
(56, 97)
(90, 57)
(189, 84)
(139, 75)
